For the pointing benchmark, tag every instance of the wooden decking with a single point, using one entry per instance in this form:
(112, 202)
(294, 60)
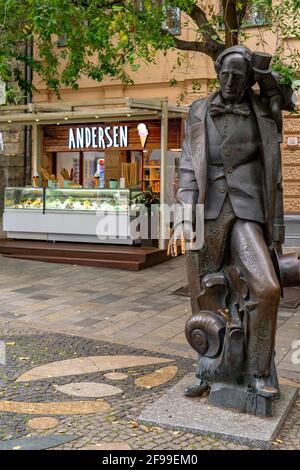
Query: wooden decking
(131, 258)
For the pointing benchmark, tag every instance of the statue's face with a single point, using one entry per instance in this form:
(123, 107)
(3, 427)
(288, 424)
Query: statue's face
(233, 77)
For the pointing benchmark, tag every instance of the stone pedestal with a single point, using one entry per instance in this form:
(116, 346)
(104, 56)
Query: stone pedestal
(198, 415)
(240, 399)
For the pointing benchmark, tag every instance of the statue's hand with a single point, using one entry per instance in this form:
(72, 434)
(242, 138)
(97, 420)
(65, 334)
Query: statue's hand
(178, 238)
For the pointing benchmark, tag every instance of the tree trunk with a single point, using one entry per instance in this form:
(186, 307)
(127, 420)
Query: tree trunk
(231, 23)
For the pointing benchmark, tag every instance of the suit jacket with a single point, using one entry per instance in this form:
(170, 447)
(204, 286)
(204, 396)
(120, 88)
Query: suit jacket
(193, 163)
(234, 166)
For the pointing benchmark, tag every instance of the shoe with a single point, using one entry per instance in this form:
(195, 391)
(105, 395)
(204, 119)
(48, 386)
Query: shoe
(263, 386)
(197, 389)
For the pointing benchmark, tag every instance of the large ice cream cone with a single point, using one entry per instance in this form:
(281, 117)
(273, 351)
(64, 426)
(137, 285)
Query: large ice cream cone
(143, 133)
(143, 139)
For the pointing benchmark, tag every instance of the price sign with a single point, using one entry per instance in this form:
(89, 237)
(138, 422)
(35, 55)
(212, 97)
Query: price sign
(292, 141)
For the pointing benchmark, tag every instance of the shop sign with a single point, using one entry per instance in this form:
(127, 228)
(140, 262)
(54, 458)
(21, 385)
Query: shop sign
(98, 137)
(1, 142)
(292, 141)
(2, 92)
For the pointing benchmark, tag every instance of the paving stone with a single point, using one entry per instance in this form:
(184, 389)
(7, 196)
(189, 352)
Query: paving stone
(88, 389)
(116, 376)
(42, 423)
(157, 378)
(12, 315)
(55, 408)
(42, 296)
(29, 289)
(108, 299)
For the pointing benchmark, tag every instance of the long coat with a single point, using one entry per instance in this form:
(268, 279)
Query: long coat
(193, 163)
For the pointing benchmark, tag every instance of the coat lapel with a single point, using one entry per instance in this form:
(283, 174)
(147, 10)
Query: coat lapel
(198, 141)
(270, 155)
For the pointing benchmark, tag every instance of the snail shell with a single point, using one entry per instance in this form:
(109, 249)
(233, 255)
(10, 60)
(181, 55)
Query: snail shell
(205, 333)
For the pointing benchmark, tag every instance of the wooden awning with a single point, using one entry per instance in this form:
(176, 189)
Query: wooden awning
(96, 111)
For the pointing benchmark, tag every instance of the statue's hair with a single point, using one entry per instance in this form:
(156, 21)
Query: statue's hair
(244, 52)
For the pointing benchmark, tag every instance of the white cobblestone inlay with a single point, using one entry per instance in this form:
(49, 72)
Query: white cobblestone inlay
(88, 389)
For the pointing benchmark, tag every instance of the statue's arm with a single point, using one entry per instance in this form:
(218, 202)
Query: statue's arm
(187, 194)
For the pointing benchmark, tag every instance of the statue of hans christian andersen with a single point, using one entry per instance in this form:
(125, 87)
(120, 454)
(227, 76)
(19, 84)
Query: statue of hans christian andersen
(231, 163)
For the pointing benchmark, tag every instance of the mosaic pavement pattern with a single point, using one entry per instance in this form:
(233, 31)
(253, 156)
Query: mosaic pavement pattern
(84, 410)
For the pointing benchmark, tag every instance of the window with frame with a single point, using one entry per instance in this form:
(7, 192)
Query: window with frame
(172, 24)
(62, 40)
(256, 15)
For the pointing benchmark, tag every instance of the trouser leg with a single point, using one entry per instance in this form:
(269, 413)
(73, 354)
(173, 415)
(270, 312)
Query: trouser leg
(211, 257)
(248, 250)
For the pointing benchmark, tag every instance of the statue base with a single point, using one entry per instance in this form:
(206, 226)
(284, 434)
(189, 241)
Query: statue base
(197, 415)
(239, 399)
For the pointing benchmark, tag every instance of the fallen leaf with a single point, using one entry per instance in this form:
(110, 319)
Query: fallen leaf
(23, 358)
(17, 448)
(11, 343)
(279, 441)
(145, 429)
(134, 424)
(157, 429)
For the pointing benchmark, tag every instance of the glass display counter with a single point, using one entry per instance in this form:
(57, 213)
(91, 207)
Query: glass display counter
(83, 215)
(87, 200)
(24, 198)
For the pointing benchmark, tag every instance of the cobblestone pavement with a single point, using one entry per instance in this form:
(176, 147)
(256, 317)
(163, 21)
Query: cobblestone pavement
(27, 348)
(51, 312)
(106, 304)
(136, 309)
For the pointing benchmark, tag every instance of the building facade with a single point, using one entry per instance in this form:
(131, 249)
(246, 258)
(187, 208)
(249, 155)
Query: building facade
(195, 78)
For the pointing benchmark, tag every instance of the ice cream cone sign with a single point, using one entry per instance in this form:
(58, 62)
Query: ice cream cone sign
(143, 133)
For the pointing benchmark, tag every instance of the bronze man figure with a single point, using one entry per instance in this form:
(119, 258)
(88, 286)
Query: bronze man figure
(231, 164)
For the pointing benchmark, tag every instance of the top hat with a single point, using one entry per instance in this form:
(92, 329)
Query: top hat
(261, 63)
(287, 269)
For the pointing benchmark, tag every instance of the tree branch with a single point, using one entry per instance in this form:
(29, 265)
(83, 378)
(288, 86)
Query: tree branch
(197, 46)
(214, 44)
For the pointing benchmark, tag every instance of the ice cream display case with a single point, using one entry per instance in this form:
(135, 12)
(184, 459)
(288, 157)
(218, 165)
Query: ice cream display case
(24, 198)
(75, 215)
(87, 200)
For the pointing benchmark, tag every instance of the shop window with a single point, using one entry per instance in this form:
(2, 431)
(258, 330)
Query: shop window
(173, 16)
(62, 40)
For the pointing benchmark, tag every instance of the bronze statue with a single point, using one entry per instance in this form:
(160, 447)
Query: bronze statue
(231, 164)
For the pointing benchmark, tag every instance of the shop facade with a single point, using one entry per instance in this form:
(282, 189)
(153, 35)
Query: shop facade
(88, 162)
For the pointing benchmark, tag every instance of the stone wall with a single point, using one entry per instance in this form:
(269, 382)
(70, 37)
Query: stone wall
(291, 164)
(11, 161)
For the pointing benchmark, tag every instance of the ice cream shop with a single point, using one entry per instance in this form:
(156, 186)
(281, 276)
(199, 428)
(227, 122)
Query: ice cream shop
(90, 161)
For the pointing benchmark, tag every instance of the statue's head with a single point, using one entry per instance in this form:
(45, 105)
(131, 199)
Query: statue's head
(234, 70)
